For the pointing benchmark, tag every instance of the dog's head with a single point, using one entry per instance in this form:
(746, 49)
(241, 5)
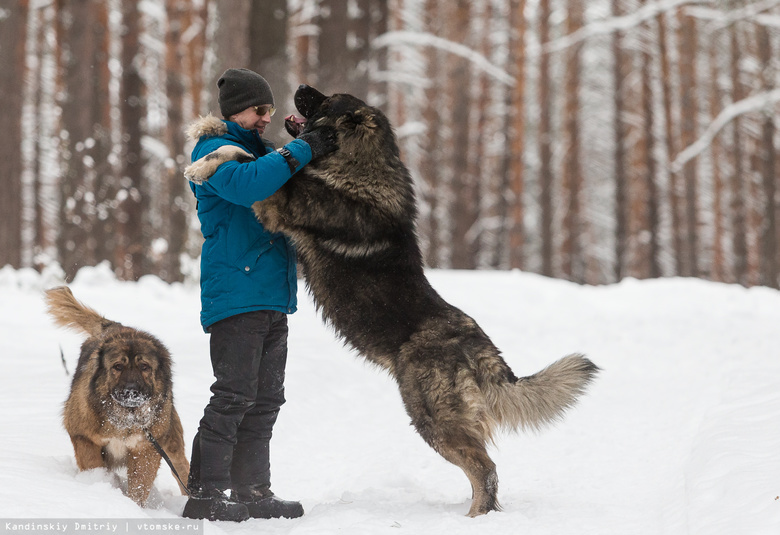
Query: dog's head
(131, 375)
(135, 364)
(359, 125)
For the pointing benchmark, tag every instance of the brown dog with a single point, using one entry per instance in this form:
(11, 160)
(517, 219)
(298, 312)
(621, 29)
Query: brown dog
(120, 391)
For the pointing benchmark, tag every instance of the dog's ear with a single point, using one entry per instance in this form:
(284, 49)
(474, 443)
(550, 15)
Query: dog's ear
(363, 118)
(308, 100)
(369, 120)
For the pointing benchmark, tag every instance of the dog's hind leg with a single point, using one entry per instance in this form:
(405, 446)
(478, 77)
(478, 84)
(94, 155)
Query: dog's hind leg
(448, 411)
(455, 444)
(481, 472)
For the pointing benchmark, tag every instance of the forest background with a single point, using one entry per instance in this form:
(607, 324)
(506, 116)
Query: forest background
(590, 140)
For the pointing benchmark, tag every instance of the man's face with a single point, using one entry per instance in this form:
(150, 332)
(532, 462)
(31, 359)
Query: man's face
(255, 118)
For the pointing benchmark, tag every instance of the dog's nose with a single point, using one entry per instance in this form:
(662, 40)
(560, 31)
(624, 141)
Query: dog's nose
(130, 395)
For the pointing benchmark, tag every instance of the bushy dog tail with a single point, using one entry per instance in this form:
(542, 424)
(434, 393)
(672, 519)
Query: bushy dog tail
(68, 312)
(534, 401)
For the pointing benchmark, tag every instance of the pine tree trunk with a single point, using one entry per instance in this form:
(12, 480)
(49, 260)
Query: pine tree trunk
(573, 262)
(653, 268)
(77, 23)
(767, 163)
(300, 62)
(671, 150)
(231, 40)
(13, 37)
(516, 133)
(737, 181)
(379, 17)
(431, 169)
(464, 211)
(545, 142)
(621, 174)
(358, 49)
(688, 133)
(105, 186)
(132, 246)
(196, 48)
(268, 56)
(718, 271)
(175, 219)
(333, 52)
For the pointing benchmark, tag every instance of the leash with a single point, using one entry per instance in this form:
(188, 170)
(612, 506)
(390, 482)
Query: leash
(64, 364)
(167, 459)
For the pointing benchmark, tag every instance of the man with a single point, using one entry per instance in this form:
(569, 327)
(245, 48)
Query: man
(248, 286)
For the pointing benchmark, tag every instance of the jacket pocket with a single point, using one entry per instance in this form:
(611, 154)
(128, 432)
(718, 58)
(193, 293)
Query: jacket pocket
(245, 239)
(248, 260)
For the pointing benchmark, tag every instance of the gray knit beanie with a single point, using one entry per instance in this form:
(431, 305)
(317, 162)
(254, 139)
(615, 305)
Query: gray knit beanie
(241, 88)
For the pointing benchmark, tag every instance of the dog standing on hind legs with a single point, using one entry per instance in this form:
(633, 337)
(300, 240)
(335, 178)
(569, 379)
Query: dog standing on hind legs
(352, 217)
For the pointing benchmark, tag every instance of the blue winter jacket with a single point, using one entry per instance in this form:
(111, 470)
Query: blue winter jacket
(243, 266)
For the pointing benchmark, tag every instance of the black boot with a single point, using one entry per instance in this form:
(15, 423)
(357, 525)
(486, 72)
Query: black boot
(262, 503)
(214, 505)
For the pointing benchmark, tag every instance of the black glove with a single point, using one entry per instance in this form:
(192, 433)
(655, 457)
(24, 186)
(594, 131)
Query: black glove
(322, 140)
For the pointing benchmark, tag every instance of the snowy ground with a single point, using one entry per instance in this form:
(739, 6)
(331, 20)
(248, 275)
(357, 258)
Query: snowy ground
(680, 434)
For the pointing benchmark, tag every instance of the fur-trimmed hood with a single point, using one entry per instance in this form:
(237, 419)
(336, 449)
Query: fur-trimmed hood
(206, 126)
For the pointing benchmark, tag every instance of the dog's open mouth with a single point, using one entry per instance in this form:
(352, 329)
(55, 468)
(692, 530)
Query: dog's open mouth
(129, 399)
(294, 125)
(307, 101)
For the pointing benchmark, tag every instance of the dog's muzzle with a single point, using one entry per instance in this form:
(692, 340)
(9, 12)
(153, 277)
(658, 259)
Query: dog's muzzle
(129, 398)
(294, 125)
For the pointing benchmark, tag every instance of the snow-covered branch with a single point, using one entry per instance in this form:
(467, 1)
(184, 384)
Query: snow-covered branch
(614, 24)
(753, 12)
(750, 104)
(391, 39)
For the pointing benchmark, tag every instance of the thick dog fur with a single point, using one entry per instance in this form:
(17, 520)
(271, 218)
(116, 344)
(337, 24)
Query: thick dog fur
(121, 388)
(352, 217)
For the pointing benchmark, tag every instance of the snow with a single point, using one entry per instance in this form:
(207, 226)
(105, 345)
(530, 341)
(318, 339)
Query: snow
(680, 433)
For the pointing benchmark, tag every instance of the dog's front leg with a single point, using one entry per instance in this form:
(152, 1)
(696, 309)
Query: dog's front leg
(88, 454)
(201, 170)
(270, 213)
(142, 466)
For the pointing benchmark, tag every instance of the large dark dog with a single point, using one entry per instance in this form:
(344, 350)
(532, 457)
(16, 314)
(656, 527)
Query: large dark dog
(121, 390)
(352, 217)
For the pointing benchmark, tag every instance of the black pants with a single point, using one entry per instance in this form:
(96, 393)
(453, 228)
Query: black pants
(231, 447)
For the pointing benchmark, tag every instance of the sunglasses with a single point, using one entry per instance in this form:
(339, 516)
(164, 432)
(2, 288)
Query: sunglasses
(262, 110)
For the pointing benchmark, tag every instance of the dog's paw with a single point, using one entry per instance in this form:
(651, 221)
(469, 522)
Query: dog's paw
(201, 170)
